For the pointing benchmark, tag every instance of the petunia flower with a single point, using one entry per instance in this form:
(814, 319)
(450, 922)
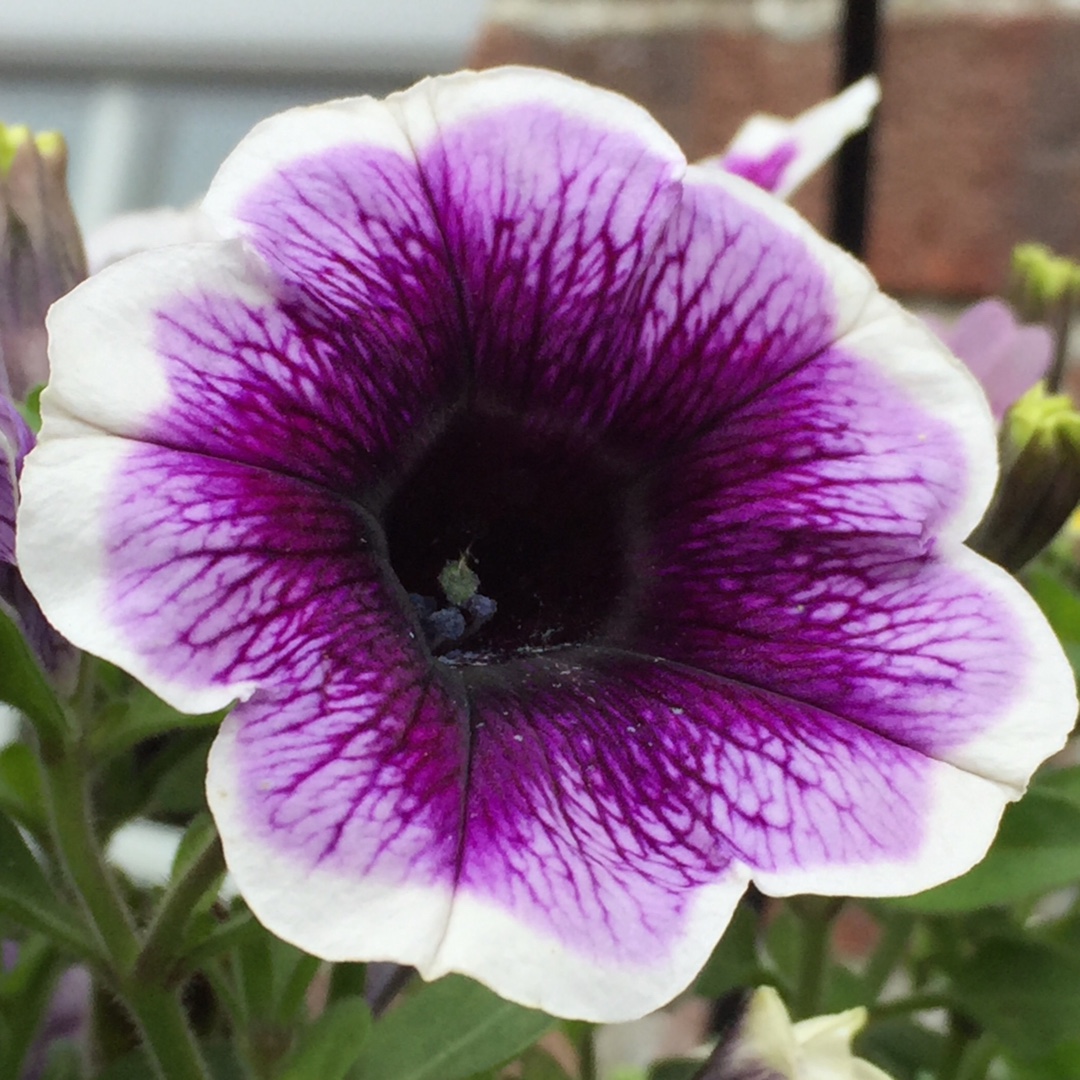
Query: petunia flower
(1006, 357)
(766, 1045)
(779, 155)
(580, 533)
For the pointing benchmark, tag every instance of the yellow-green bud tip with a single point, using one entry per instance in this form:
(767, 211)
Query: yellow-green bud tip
(1043, 415)
(11, 138)
(1047, 277)
(50, 144)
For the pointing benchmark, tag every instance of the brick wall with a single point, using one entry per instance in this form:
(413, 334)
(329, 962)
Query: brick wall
(978, 144)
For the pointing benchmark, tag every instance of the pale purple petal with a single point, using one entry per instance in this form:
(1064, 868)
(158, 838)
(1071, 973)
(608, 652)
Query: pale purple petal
(778, 155)
(1007, 358)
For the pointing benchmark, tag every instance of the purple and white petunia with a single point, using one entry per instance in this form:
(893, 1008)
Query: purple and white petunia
(580, 533)
(779, 155)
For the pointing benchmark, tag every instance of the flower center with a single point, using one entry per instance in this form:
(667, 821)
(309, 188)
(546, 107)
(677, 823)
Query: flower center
(509, 541)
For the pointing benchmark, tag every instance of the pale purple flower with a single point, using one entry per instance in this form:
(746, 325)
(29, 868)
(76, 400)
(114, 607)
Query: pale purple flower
(1006, 357)
(66, 1018)
(581, 534)
(778, 155)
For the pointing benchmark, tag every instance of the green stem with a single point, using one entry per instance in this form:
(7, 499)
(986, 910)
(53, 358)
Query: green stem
(586, 1048)
(817, 914)
(165, 1032)
(1062, 324)
(157, 1012)
(962, 1033)
(164, 938)
(82, 858)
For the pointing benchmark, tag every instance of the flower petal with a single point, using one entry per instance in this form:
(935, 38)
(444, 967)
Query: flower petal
(15, 443)
(214, 362)
(938, 650)
(535, 245)
(778, 155)
(756, 327)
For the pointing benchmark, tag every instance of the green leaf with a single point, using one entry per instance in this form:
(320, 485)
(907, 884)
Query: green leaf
(1037, 849)
(28, 898)
(448, 1030)
(21, 788)
(537, 1064)
(1025, 993)
(30, 409)
(1062, 1063)
(675, 1069)
(219, 1056)
(142, 715)
(734, 961)
(900, 1046)
(1060, 602)
(24, 685)
(330, 1046)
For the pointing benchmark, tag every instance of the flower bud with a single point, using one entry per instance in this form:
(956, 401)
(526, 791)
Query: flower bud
(41, 251)
(1042, 279)
(1039, 485)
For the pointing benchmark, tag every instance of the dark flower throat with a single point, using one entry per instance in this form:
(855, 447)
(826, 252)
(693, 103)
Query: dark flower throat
(540, 521)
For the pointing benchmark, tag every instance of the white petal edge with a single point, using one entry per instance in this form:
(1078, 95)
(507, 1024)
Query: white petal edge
(974, 782)
(142, 230)
(958, 826)
(898, 344)
(438, 932)
(816, 133)
(409, 121)
(61, 544)
(106, 369)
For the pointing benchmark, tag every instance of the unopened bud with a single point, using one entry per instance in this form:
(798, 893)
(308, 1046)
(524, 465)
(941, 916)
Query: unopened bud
(1039, 485)
(41, 250)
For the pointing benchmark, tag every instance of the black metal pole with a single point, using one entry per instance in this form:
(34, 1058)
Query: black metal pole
(851, 184)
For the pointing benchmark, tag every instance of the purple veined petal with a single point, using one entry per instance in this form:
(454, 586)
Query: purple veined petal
(789, 334)
(284, 392)
(778, 155)
(249, 563)
(940, 652)
(607, 830)
(566, 191)
(16, 440)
